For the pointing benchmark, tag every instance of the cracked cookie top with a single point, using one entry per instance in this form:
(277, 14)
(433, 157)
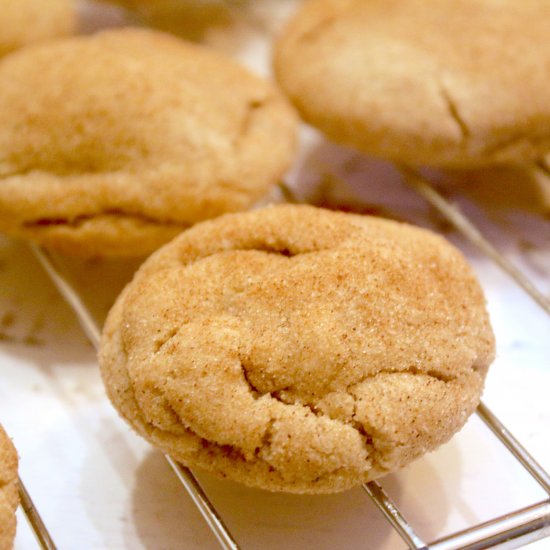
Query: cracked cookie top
(123, 139)
(9, 498)
(448, 82)
(27, 21)
(297, 349)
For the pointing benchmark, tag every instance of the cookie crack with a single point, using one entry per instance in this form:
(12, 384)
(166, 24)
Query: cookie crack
(267, 437)
(81, 219)
(149, 428)
(231, 451)
(251, 109)
(454, 112)
(162, 342)
(142, 417)
(256, 393)
(264, 248)
(409, 370)
(281, 252)
(368, 434)
(366, 437)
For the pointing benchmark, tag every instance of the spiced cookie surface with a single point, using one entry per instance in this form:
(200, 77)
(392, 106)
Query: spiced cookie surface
(9, 499)
(448, 82)
(296, 349)
(23, 22)
(123, 139)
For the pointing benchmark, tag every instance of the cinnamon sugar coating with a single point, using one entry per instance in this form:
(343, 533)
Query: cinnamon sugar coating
(296, 349)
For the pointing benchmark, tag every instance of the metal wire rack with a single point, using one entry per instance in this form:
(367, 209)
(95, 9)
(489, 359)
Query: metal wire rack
(512, 530)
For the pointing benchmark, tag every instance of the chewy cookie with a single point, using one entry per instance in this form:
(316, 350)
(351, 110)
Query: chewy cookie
(124, 138)
(458, 83)
(296, 349)
(25, 21)
(9, 497)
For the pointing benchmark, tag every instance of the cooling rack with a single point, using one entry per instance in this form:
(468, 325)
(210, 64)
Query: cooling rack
(511, 530)
(520, 526)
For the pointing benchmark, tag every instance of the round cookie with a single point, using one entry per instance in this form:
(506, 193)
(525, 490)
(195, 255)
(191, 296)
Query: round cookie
(124, 138)
(296, 349)
(26, 21)
(9, 496)
(456, 83)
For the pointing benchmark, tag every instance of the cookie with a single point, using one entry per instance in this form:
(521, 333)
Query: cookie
(296, 349)
(200, 22)
(9, 496)
(123, 139)
(458, 83)
(26, 21)
(149, 6)
(518, 187)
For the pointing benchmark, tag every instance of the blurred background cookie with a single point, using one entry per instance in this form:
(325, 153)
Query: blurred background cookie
(296, 349)
(124, 138)
(451, 83)
(189, 19)
(25, 21)
(9, 499)
(522, 186)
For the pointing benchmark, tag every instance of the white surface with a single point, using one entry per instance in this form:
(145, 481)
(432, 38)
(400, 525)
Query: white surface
(98, 485)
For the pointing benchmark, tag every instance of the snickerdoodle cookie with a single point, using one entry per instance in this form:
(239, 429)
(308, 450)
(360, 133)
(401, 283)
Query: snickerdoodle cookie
(297, 349)
(112, 144)
(25, 21)
(447, 82)
(9, 498)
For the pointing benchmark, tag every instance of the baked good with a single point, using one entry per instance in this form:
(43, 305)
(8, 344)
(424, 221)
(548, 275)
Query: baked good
(124, 138)
(297, 349)
(152, 5)
(458, 83)
(196, 21)
(9, 496)
(26, 21)
(519, 187)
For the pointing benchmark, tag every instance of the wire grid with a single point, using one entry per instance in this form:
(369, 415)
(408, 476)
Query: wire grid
(512, 530)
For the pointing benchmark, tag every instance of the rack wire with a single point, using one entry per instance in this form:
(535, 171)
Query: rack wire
(512, 530)
(40, 530)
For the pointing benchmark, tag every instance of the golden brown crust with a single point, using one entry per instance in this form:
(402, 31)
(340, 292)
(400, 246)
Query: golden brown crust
(125, 138)
(447, 82)
(296, 349)
(9, 496)
(26, 21)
